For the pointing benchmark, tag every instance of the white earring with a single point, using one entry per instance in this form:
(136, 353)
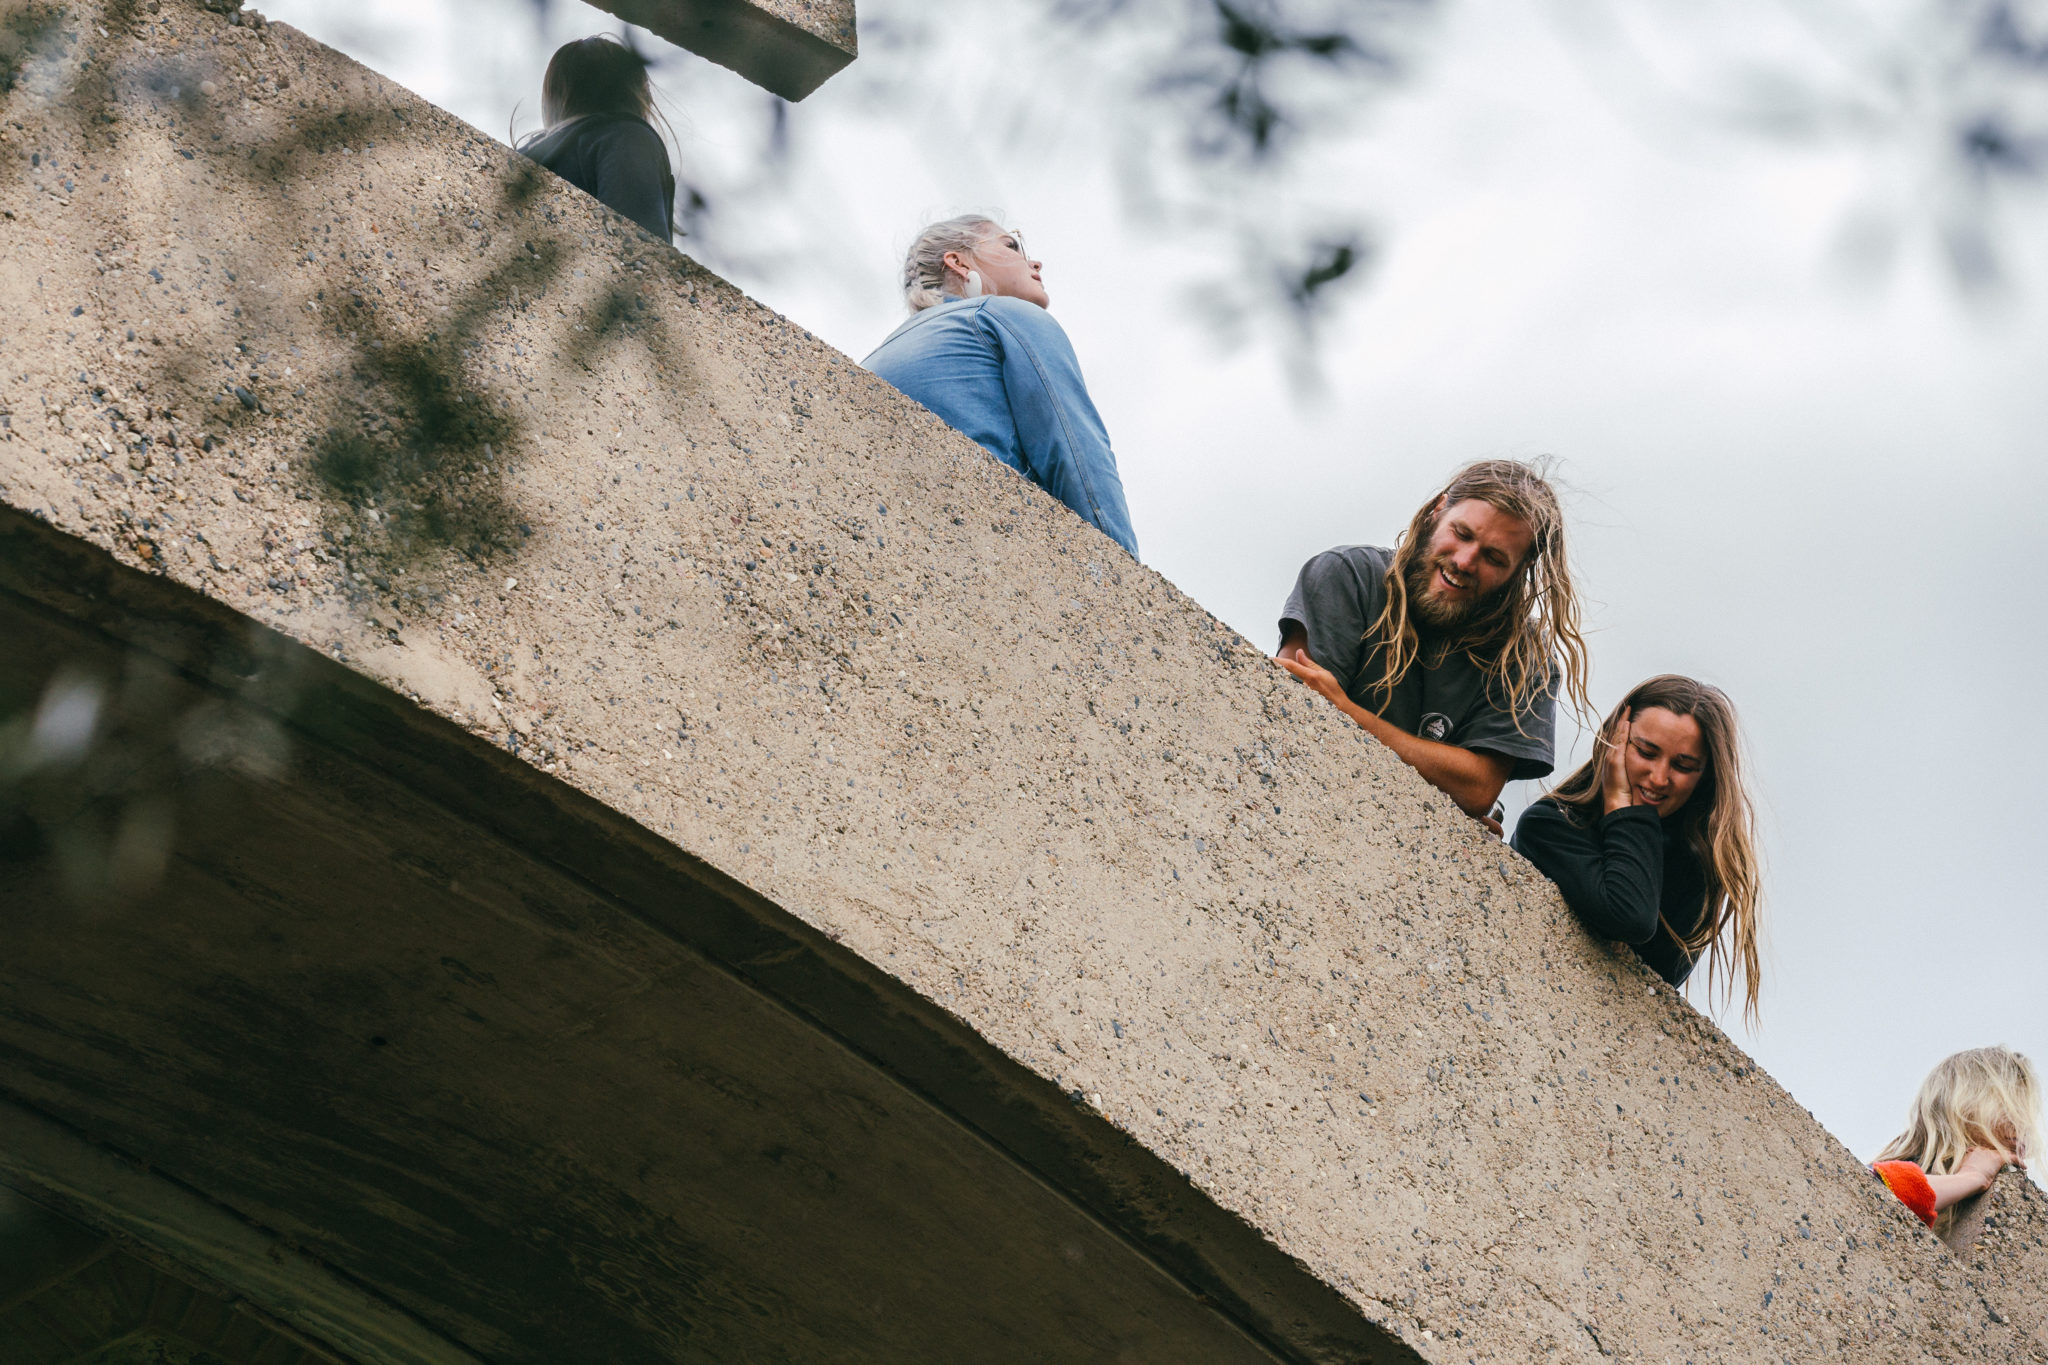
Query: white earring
(974, 284)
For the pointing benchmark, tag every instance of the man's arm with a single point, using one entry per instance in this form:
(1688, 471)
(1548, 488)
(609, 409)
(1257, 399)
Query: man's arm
(1472, 779)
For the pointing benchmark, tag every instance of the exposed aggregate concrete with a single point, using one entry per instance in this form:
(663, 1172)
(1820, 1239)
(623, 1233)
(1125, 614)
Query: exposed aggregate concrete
(2001, 1238)
(830, 20)
(282, 331)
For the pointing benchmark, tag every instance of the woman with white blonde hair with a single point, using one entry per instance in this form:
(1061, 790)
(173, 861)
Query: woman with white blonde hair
(981, 351)
(1977, 1112)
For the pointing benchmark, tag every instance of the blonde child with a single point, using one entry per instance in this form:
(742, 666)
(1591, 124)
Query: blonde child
(1977, 1113)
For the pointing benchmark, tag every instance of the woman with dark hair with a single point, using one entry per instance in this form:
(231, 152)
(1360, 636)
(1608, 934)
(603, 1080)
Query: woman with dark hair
(599, 110)
(1652, 841)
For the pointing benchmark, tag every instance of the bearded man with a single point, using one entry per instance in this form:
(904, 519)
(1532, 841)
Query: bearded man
(1445, 648)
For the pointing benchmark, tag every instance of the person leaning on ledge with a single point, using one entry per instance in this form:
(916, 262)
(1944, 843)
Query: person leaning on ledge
(1445, 647)
(1652, 841)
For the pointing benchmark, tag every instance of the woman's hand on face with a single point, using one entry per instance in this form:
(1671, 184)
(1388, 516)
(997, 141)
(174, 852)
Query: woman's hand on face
(1614, 788)
(1314, 674)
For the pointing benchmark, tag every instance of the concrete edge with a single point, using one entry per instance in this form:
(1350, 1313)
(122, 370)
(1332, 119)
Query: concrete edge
(773, 53)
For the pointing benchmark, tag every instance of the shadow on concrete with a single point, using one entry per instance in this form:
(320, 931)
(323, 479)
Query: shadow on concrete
(408, 435)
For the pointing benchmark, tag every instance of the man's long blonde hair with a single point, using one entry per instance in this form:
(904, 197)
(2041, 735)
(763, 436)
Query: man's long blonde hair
(1536, 615)
(1718, 824)
(1984, 1097)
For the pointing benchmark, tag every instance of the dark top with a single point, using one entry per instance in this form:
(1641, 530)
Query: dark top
(1618, 872)
(615, 158)
(1336, 599)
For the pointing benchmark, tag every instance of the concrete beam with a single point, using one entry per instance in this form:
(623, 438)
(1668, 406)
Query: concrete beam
(546, 1085)
(68, 1294)
(790, 47)
(683, 748)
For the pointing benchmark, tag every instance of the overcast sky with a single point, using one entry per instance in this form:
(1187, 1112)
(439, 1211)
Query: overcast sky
(1818, 487)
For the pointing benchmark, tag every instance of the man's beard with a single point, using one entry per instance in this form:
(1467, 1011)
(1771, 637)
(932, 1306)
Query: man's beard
(1432, 610)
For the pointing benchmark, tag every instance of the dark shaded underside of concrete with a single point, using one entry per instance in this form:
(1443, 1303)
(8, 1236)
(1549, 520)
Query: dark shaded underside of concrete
(515, 1071)
(68, 1294)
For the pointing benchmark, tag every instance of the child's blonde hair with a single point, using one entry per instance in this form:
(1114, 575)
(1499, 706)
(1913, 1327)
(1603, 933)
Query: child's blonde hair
(1985, 1097)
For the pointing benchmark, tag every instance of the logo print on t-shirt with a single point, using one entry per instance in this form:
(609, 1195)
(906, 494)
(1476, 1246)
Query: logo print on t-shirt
(1436, 725)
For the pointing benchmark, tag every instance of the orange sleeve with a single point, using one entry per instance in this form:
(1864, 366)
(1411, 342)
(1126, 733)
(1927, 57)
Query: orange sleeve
(1909, 1183)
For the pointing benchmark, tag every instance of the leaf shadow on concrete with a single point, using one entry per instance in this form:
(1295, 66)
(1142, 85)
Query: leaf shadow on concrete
(406, 443)
(403, 448)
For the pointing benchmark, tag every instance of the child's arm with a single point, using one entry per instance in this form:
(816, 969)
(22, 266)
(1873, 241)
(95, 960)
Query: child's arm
(1979, 1167)
(1927, 1195)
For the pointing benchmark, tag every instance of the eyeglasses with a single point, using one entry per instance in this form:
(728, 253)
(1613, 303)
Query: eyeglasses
(1016, 239)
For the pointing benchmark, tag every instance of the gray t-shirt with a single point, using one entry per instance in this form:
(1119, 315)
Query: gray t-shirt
(1338, 597)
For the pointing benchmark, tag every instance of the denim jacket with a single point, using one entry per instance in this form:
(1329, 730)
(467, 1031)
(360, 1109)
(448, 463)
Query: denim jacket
(1003, 372)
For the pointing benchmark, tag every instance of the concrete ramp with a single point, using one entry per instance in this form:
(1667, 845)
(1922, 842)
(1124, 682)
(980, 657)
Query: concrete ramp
(549, 816)
(2001, 1238)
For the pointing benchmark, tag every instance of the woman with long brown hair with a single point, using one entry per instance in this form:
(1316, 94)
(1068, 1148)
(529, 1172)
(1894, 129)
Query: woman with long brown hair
(599, 109)
(1653, 840)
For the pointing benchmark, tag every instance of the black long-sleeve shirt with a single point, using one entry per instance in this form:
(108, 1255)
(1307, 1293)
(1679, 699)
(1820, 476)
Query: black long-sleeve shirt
(616, 159)
(1618, 872)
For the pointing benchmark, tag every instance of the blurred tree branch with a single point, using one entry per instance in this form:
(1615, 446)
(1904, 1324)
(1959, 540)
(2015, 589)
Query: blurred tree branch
(1947, 101)
(1217, 121)
(1206, 111)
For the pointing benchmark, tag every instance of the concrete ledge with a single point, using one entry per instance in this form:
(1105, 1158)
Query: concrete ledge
(710, 776)
(2001, 1238)
(790, 47)
(517, 1036)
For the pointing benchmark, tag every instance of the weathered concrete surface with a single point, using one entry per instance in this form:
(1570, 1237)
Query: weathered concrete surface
(479, 441)
(791, 47)
(550, 1087)
(2001, 1238)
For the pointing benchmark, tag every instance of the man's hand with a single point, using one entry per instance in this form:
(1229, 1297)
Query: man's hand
(1309, 671)
(1470, 778)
